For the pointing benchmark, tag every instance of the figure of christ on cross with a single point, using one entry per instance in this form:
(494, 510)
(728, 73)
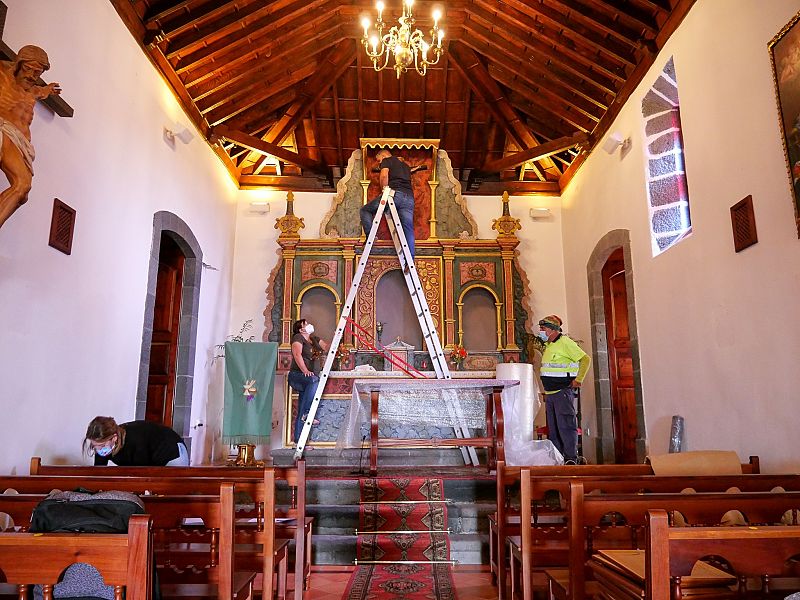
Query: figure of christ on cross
(19, 91)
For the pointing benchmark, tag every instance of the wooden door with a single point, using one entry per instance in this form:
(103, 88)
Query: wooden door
(620, 360)
(166, 324)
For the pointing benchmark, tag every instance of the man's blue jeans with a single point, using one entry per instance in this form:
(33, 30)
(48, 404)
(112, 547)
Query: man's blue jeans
(405, 210)
(305, 388)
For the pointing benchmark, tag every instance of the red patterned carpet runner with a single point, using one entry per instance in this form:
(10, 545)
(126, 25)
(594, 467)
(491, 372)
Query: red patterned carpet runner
(412, 534)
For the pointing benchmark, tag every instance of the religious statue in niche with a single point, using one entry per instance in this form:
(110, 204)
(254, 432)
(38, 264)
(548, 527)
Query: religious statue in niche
(19, 91)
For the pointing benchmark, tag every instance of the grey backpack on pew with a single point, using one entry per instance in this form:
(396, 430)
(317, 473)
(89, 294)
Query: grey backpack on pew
(103, 512)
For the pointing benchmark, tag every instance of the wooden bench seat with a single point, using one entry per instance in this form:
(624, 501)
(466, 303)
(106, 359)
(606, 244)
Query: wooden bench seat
(168, 514)
(618, 521)
(124, 560)
(293, 477)
(605, 478)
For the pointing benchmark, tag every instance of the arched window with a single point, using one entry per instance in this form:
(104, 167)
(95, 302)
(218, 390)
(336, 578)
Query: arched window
(667, 192)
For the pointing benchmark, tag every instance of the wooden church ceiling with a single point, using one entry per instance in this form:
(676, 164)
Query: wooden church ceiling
(283, 90)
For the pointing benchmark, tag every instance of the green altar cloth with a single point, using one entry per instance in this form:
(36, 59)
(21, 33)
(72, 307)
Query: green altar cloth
(249, 385)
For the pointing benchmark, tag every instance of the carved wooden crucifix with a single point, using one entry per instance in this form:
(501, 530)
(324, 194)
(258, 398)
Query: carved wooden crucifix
(55, 103)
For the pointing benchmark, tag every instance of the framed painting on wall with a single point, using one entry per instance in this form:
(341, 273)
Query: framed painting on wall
(784, 51)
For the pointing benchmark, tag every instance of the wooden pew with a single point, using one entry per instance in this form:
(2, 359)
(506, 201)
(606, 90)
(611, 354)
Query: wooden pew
(590, 528)
(619, 478)
(301, 529)
(760, 552)
(124, 560)
(168, 514)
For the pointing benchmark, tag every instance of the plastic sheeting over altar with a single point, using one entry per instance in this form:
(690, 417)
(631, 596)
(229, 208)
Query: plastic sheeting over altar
(458, 404)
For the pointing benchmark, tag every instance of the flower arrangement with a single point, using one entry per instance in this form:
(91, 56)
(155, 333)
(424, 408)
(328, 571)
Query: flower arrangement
(342, 356)
(458, 354)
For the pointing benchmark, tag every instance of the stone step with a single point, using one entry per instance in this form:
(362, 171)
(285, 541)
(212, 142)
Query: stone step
(347, 491)
(343, 520)
(467, 548)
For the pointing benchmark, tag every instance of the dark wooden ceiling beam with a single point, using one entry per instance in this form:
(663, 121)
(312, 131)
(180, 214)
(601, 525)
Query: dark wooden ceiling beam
(290, 182)
(254, 38)
(624, 10)
(258, 119)
(187, 20)
(288, 57)
(232, 64)
(223, 28)
(677, 15)
(263, 147)
(597, 20)
(257, 93)
(360, 86)
(576, 32)
(165, 10)
(338, 124)
(329, 70)
(562, 84)
(660, 6)
(518, 26)
(131, 18)
(465, 130)
(575, 112)
(477, 77)
(533, 154)
(515, 188)
(518, 50)
(443, 117)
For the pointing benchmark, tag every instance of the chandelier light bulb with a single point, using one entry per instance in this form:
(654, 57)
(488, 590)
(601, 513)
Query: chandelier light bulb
(437, 14)
(365, 24)
(374, 41)
(379, 5)
(441, 35)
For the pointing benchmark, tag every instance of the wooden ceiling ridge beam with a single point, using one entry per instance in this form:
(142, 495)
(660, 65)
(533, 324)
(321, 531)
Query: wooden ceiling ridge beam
(677, 15)
(267, 148)
(316, 85)
(533, 154)
(597, 80)
(467, 63)
(530, 35)
(538, 76)
(623, 52)
(251, 38)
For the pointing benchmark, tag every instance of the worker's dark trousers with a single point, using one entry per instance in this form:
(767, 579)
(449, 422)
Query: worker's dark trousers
(562, 422)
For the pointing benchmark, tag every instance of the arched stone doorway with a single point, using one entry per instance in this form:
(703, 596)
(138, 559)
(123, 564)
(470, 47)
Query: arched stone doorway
(169, 226)
(619, 406)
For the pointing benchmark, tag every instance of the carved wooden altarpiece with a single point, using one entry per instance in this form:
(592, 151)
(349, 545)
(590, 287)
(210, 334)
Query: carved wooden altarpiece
(450, 259)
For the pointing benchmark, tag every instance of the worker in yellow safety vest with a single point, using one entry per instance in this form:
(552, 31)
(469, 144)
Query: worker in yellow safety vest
(564, 365)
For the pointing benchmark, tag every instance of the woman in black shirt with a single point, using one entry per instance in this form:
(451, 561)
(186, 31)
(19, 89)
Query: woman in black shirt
(134, 444)
(302, 378)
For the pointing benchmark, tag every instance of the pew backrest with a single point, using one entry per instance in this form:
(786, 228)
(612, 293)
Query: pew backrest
(750, 551)
(123, 560)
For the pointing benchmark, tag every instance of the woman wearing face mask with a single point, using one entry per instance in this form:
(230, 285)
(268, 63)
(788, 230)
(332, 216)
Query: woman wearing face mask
(302, 378)
(134, 444)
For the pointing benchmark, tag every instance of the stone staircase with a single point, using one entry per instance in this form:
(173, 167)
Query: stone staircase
(334, 502)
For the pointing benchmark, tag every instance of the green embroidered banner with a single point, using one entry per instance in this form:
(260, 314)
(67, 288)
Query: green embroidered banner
(249, 385)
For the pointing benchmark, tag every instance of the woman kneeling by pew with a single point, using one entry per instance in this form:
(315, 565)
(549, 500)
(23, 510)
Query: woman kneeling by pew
(134, 444)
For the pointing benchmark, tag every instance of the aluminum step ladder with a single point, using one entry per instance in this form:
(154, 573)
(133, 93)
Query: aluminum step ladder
(431, 337)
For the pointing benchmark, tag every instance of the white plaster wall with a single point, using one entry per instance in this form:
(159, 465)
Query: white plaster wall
(718, 331)
(71, 326)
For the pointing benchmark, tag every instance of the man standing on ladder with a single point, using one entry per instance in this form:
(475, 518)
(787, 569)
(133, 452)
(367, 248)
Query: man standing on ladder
(397, 175)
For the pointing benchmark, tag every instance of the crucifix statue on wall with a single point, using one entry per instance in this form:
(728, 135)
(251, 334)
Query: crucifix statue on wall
(20, 88)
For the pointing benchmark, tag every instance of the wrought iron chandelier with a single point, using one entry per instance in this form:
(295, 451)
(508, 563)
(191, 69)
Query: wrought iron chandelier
(406, 43)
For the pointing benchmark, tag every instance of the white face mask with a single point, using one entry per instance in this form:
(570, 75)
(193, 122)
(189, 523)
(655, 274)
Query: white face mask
(309, 328)
(542, 336)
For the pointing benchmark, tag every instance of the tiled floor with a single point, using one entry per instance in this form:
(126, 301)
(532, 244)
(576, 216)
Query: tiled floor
(472, 583)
